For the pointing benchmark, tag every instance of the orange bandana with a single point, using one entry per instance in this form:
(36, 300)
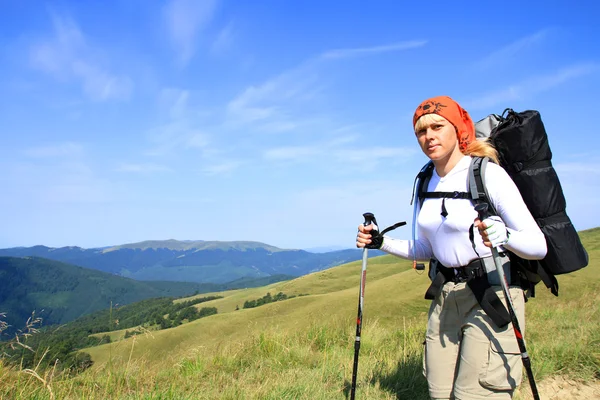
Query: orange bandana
(454, 113)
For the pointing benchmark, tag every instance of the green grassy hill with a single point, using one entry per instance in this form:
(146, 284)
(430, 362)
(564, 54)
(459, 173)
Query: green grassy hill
(332, 294)
(302, 348)
(60, 292)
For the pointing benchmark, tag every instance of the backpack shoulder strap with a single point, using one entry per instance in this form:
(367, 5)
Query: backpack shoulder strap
(476, 182)
(424, 178)
(423, 175)
(422, 181)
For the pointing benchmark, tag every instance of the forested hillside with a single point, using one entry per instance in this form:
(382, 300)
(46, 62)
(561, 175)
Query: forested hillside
(58, 292)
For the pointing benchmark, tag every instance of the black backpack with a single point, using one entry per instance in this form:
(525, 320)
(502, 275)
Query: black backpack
(524, 152)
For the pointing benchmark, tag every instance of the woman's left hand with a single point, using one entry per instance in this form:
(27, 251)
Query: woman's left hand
(493, 231)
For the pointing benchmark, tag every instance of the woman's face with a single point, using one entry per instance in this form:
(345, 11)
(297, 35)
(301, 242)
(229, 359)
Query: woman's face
(438, 139)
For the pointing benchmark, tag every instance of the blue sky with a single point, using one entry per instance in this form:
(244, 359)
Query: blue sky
(274, 121)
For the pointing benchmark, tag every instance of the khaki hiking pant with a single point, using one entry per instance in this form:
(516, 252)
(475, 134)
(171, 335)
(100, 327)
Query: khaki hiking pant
(467, 357)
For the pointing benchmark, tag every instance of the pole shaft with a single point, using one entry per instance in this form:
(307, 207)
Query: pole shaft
(361, 296)
(515, 322)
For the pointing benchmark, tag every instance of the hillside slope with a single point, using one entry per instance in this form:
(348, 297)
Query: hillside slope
(302, 348)
(60, 292)
(393, 291)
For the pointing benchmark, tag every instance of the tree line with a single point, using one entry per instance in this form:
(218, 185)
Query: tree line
(57, 346)
(266, 299)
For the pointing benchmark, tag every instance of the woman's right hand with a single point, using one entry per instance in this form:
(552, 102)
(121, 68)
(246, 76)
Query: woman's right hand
(363, 237)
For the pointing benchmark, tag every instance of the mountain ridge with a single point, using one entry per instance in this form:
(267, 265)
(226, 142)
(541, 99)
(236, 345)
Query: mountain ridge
(174, 244)
(192, 261)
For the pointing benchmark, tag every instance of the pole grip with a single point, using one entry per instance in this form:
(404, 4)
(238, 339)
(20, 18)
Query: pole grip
(482, 210)
(369, 218)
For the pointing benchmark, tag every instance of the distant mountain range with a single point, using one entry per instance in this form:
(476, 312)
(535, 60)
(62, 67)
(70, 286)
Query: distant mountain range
(193, 261)
(60, 292)
(325, 249)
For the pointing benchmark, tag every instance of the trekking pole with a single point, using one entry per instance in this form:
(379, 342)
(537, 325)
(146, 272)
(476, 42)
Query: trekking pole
(482, 210)
(369, 217)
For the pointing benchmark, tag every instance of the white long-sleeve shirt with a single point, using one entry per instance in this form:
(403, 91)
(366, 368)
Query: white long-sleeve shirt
(447, 239)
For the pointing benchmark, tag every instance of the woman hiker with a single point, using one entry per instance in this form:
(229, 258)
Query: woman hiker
(467, 354)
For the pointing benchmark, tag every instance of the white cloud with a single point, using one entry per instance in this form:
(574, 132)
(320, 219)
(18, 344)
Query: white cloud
(288, 100)
(366, 157)
(173, 136)
(283, 125)
(581, 188)
(181, 131)
(197, 140)
(100, 85)
(545, 82)
(222, 168)
(372, 154)
(347, 137)
(510, 51)
(224, 39)
(273, 100)
(339, 209)
(292, 153)
(58, 173)
(241, 107)
(531, 86)
(55, 174)
(185, 20)
(374, 50)
(490, 99)
(578, 168)
(61, 150)
(142, 168)
(67, 56)
(173, 102)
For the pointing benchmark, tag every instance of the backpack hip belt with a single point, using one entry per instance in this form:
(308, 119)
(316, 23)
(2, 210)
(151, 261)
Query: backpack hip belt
(475, 274)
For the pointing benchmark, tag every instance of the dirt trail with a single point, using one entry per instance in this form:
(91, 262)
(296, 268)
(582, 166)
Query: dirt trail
(559, 388)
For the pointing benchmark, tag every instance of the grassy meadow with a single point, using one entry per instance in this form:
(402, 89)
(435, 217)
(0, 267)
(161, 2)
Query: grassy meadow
(302, 348)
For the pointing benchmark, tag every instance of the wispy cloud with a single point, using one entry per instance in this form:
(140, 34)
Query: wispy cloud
(374, 50)
(67, 56)
(196, 140)
(58, 173)
(292, 153)
(348, 201)
(185, 19)
(174, 102)
(182, 125)
(288, 101)
(531, 87)
(512, 50)
(142, 168)
(578, 168)
(221, 168)
(545, 82)
(224, 39)
(490, 99)
(61, 150)
(333, 153)
(279, 104)
(373, 153)
(174, 135)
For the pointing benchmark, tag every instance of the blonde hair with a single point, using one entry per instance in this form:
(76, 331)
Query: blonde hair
(482, 148)
(428, 119)
(477, 148)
